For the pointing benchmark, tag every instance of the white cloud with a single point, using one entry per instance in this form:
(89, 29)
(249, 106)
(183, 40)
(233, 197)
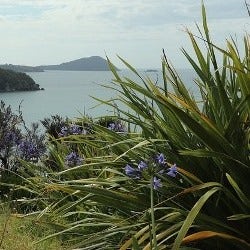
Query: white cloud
(49, 31)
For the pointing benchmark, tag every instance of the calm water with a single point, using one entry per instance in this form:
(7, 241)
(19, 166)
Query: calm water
(68, 93)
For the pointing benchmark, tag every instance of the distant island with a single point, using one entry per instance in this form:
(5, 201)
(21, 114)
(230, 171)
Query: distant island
(93, 63)
(11, 81)
(13, 77)
(151, 70)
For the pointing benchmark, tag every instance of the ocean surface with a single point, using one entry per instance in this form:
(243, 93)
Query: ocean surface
(68, 93)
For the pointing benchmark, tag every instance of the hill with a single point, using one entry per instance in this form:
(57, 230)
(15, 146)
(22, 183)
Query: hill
(21, 68)
(93, 63)
(11, 81)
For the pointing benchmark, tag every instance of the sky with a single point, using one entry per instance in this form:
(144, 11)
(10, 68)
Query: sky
(38, 32)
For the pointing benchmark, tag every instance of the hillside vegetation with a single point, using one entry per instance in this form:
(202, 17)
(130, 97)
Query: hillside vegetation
(16, 81)
(21, 68)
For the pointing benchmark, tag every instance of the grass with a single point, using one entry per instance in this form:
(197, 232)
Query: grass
(22, 233)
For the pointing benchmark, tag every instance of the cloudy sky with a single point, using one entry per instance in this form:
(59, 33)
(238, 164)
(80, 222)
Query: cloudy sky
(35, 32)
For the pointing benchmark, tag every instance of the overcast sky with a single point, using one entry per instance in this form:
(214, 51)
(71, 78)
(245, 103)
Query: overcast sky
(35, 32)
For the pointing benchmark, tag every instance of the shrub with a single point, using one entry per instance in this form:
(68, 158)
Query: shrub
(17, 143)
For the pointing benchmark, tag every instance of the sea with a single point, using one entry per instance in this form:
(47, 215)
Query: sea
(70, 93)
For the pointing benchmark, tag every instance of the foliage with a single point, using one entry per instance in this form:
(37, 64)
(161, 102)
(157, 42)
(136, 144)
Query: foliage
(10, 134)
(18, 233)
(54, 124)
(17, 143)
(16, 81)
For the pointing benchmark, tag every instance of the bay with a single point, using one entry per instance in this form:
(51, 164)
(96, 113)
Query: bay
(68, 93)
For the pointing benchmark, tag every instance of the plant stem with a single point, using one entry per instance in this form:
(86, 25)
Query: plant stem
(155, 247)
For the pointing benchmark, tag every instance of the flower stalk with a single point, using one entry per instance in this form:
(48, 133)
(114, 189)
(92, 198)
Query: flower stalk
(153, 228)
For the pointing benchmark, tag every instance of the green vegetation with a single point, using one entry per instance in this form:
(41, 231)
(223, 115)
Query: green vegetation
(16, 81)
(22, 233)
(170, 173)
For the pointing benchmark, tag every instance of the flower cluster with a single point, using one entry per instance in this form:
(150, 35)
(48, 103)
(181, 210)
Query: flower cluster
(10, 138)
(73, 159)
(72, 129)
(27, 143)
(116, 126)
(30, 150)
(172, 171)
(9, 135)
(157, 165)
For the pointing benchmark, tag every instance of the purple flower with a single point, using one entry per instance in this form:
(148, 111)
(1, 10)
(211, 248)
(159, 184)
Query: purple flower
(29, 150)
(142, 165)
(111, 126)
(72, 129)
(172, 171)
(11, 138)
(120, 127)
(160, 158)
(73, 159)
(157, 183)
(75, 129)
(132, 172)
(116, 127)
(64, 131)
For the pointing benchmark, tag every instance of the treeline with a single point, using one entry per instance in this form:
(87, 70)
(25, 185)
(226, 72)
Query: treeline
(16, 81)
(21, 68)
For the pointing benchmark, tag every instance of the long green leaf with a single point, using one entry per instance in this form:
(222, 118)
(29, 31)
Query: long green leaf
(192, 215)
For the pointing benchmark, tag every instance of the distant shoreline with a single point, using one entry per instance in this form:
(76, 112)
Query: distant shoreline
(93, 63)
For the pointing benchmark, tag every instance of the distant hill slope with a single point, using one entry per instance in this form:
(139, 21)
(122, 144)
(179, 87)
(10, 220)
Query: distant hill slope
(11, 81)
(93, 63)
(21, 68)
